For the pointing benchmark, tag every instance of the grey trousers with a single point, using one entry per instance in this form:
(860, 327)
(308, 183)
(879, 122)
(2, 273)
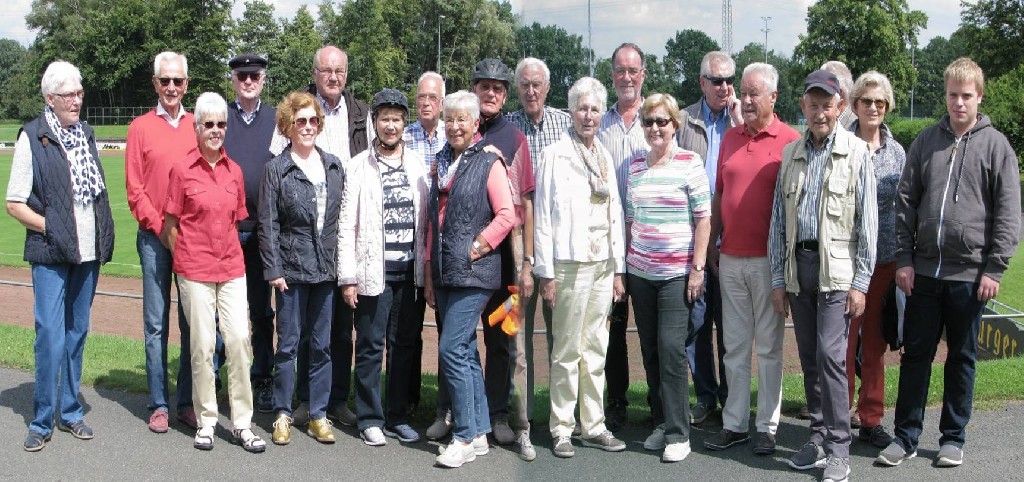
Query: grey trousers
(822, 328)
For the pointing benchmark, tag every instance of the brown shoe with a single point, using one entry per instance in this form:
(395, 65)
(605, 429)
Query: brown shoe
(320, 429)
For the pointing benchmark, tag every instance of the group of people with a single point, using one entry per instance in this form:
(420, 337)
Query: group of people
(717, 219)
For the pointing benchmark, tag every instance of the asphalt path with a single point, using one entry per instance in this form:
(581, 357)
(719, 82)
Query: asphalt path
(125, 449)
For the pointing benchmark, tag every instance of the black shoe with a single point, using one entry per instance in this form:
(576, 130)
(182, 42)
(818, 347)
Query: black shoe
(725, 439)
(765, 444)
(615, 415)
(35, 442)
(78, 429)
(876, 436)
(263, 393)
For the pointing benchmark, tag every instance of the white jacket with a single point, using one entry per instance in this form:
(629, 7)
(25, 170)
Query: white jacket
(361, 230)
(561, 211)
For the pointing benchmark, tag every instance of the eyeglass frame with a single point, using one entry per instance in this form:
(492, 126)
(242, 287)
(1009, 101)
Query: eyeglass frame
(178, 81)
(718, 81)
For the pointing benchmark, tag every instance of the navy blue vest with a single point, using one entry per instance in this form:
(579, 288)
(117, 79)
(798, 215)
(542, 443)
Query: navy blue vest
(249, 146)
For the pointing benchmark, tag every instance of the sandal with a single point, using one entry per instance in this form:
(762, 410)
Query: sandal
(249, 441)
(204, 439)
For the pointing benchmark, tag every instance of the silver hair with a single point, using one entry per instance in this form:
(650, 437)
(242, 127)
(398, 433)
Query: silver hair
(716, 55)
(210, 104)
(769, 76)
(869, 79)
(168, 56)
(835, 97)
(430, 74)
(462, 102)
(842, 73)
(588, 86)
(57, 74)
(533, 62)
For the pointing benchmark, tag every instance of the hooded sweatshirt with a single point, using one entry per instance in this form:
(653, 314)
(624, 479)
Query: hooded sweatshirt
(958, 207)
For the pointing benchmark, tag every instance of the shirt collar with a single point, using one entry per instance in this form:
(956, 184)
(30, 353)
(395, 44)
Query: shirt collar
(809, 139)
(160, 111)
(708, 115)
(259, 103)
(327, 109)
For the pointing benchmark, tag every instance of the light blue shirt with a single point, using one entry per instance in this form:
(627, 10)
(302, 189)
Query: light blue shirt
(715, 128)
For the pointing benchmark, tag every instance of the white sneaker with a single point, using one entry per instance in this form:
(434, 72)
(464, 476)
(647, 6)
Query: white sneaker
(950, 456)
(456, 454)
(675, 452)
(373, 436)
(656, 440)
(480, 446)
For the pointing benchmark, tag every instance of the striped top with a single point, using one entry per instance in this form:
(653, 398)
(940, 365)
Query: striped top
(399, 221)
(662, 204)
(807, 210)
(623, 142)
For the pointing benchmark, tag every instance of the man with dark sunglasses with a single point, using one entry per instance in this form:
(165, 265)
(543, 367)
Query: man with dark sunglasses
(702, 132)
(247, 142)
(156, 141)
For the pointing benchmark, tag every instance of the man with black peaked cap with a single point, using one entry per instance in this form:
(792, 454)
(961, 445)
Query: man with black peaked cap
(247, 142)
(821, 247)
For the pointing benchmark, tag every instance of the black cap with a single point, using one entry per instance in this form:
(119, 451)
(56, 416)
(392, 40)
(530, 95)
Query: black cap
(248, 63)
(493, 69)
(822, 79)
(389, 98)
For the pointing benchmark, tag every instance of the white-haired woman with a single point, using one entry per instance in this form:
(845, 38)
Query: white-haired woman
(871, 100)
(205, 199)
(579, 249)
(57, 191)
(469, 214)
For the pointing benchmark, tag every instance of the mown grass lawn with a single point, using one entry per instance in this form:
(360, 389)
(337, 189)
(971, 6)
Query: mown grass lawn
(9, 132)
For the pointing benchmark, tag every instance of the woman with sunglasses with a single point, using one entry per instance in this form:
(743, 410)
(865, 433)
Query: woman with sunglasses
(299, 206)
(205, 199)
(57, 191)
(668, 223)
(871, 99)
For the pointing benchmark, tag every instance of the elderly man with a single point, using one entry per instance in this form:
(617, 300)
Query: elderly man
(425, 137)
(822, 250)
(346, 133)
(740, 214)
(156, 141)
(491, 78)
(247, 142)
(960, 185)
(622, 134)
(706, 122)
(542, 126)
(842, 72)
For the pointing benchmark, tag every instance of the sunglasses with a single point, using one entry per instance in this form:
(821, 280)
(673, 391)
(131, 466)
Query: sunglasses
(301, 122)
(866, 102)
(178, 81)
(218, 124)
(243, 76)
(718, 81)
(650, 121)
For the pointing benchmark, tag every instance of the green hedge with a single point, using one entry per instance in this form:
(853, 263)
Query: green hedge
(906, 130)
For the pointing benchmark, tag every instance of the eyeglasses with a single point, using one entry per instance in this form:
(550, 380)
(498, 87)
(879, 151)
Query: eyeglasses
(718, 81)
(178, 81)
(633, 72)
(71, 96)
(650, 121)
(254, 76)
(328, 72)
(218, 124)
(428, 97)
(878, 103)
(301, 122)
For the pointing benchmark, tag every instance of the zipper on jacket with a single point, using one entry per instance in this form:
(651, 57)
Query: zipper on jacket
(942, 210)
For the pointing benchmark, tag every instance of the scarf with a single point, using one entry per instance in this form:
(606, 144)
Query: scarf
(596, 163)
(85, 175)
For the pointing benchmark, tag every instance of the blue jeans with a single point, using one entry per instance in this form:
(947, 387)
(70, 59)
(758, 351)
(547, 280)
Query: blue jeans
(63, 300)
(936, 306)
(304, 312)
(156, 304)
(341, 355)
(261, 315)
(460, 310)
(711, 390)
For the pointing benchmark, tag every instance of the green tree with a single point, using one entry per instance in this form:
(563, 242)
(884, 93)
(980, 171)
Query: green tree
(375, 61)
(1003, 105)
(199, 29)
(931, 62)
(256, 31)
(20, 95)
(682, 63)
(993, 31)
(292, 68)
(11, 55)
(563, 53)
(864, 34)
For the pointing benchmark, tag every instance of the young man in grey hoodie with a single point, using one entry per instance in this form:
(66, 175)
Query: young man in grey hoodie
(958, 222)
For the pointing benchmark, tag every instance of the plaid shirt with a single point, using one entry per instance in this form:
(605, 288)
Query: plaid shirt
(539, 135)
(415, 137)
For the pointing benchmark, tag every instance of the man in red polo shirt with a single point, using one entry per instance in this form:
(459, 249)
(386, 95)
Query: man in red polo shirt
(741, 212)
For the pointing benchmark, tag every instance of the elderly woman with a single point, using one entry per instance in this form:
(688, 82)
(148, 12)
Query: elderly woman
(470, 213)
(871, 99)
(668, 223)
(300, 203)
(578, 245)
(57, 191)
(205, 199)
(381, 234)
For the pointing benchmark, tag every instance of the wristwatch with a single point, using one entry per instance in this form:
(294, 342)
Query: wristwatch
(528, 259)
